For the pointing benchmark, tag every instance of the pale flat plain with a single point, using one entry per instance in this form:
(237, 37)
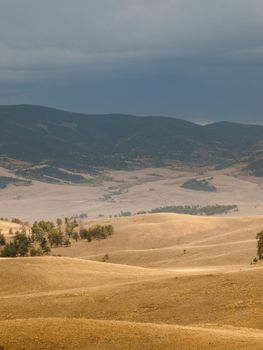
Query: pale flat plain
(171, 282)
(133, 191)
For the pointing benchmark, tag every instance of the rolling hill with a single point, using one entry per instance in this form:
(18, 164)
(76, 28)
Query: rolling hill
(85, 305)
(35, 135)
(6, 226)
(159, 240)
(169, 300)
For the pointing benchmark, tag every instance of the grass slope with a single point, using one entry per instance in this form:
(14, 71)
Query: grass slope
(187, 302)
(82, 334)
(63, 287)
(159, 240)
(5, 226)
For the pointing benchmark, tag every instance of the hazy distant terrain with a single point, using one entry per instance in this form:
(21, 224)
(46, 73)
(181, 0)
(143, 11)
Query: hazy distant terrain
(74, 164)
(80, 142)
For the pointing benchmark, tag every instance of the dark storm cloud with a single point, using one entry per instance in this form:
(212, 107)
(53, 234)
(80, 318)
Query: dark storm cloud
(186, 58)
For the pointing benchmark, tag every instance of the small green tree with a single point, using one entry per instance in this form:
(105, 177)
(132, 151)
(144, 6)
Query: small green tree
(55, 237)
(9, 251)
(2, 239)
(260, 245)
(38, 233)
(83, 232)
(22, 243)
(44, 245)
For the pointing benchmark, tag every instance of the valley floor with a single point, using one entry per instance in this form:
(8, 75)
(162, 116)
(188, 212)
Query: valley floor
(131, 191)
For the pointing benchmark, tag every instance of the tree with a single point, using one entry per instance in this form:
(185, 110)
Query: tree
(59, 222)
(47, 226)
(55, 237)
(22, 243)
(44, 245)
(260, 245)
(109, 229)
(38, 234)
(83, 232)
(75, 236)
(18, 247)
(70, 226)
(9, 250)
(2, 239)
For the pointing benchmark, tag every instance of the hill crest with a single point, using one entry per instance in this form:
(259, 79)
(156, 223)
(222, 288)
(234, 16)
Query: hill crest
(83, 142)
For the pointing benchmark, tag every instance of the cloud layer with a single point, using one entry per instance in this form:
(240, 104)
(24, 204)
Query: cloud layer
(199, 60)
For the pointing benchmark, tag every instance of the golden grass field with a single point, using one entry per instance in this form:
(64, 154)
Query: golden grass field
(150, 295)
(6, 226)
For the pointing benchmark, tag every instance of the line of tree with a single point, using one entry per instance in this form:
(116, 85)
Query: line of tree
(96, 232)
(208, 210)
(44, 235)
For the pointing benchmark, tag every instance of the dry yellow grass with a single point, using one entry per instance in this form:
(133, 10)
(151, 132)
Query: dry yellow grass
(50, 334)
(63, 287)
(204, 299)
(159, 240)
(5, 226)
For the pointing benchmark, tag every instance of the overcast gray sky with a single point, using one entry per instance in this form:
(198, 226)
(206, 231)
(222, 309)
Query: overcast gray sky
(200, 60)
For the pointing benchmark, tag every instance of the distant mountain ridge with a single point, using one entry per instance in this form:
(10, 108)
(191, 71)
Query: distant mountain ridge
(74, 141)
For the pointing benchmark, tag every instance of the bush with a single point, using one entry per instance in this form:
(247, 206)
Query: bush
(105, 258)
(125, 213)
(17, 221)
(33, 252)
(66, 242)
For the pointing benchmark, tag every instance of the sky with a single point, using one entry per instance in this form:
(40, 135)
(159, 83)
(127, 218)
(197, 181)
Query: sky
(200, 60)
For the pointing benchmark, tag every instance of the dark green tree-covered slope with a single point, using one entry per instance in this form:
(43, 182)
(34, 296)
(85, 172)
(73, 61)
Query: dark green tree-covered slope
(81, 142)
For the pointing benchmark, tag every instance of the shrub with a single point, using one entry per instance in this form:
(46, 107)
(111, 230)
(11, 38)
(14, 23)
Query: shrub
(66, 242)
(105, 258)
(33, 252)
